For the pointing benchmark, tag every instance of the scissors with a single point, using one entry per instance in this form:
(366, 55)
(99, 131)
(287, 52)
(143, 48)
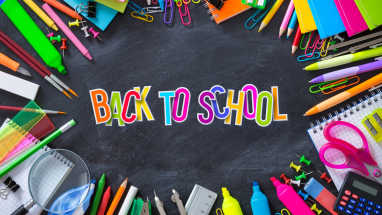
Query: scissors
(356, 158)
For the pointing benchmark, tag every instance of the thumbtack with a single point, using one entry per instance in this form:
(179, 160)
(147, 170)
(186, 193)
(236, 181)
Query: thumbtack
(302, 176)
(85, 29)
(58, 38)
(324, 176)
(285, 178)
(63, 47)
(298, 168)
(95, 33)
(303, 195)
(314, 208)
(77, 22)
(296, 182)
(304, 160)
(50, 35)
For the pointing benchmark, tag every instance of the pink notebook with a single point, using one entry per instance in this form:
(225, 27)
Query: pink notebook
(351, 17)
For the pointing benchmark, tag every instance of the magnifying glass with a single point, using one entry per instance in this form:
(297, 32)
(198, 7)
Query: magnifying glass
(58, 181)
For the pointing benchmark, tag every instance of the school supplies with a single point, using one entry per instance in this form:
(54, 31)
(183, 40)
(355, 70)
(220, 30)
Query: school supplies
(218, 4)
(230, 205)
(343, 73)
(67, 31)
(13, 65)
(76, 23)
(335, 85)
(33, 34)
(255, 18)
(116, 5)
(357, 40)
(141, 207)
(286, 180)
(117, 198)
(286, 19)
(48, 21)
(349, 58)
(270, 14)
(96, 34)
(231, 9)
(259, 201)
(63, 47)
(320, 194)
(11, 108)
(259, 4)
(159, 205)
(11, 185)
(104, 202)
(296, 40)
(200, 201)
(304, 16)
(63, 9)
(372, 123)
(92, 9)
(18, 86)
(128, 201)
(326, 17)
(292, 24)
(97, 197)
(359, 195)
(304, 160)
(298, 182)
(371, 12)
(290, 199)
(179, 204)
(351, 17)
(324, 176)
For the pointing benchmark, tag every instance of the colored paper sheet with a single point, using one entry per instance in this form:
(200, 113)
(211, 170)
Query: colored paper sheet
(304, 16)
(351, 17)
(371, 12)
(104, 14)
(116, 5)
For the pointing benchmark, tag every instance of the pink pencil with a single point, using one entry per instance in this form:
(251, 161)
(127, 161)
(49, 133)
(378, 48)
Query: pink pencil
(66, 30)
(286, 19)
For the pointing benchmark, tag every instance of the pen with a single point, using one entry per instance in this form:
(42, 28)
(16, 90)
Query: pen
(48, 21)
(286, 18)
(343, 73)
(345, 95)
(337, 61)
(292, 24)
(270, 14)
(13, 65)
(296, 40)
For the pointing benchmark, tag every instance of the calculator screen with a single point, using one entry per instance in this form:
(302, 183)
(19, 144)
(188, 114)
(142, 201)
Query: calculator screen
(365, 187)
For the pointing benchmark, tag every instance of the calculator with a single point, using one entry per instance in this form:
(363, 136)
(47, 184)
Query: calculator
(359, 196)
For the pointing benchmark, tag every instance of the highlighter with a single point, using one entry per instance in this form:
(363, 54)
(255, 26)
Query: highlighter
(33, 34)
(259, 201)
(230, 205)
(291, 199)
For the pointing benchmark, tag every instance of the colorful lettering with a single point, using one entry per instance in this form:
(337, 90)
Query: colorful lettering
(126, 104)
(115, 108)
(250, 115)
(276, 115)
(210, 111)
(235, 106)
(98, 105)
(220, 115)
(268, 111)
(142, 104)
(167, 95)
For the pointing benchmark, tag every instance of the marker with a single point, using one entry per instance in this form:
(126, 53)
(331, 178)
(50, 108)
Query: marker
(13, 65)
(63, 9)
(270, 14)
(117, 198)
(98, 195)
(48, 21)
(286, 19)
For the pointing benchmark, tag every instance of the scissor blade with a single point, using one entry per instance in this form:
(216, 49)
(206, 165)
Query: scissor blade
(375, 171)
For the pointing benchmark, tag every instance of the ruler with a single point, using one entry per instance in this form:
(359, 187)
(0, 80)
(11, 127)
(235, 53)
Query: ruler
(200, 201)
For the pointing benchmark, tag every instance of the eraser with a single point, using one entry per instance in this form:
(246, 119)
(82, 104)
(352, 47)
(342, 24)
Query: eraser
(321, 194)
(18, 86)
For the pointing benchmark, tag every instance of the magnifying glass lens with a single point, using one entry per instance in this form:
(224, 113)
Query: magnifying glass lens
(59, 181)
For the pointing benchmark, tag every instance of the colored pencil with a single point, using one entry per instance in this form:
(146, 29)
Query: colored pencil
(98, 195)
(270, 14)
(286, 19)
(292, 24)
(117, 198)
(296, 40)
(11, 108)
(104, 202)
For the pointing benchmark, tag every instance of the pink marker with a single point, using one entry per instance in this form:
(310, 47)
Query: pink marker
(291, 199)
(66, 31)
(286, 19)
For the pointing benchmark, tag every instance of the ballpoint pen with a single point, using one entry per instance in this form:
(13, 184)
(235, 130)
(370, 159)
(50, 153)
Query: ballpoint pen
(176, 199)
(159, 205)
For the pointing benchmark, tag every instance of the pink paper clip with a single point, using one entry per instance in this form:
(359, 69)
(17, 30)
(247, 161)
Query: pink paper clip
(186, 11)
(154, 1)
(314, 46)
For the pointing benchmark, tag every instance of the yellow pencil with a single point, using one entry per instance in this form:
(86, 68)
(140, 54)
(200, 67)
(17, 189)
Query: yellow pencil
(270, 14)
(41, 14)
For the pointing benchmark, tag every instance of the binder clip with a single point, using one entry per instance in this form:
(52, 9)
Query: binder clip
(90, 9)
(141, 207)
(10, 185)
(373, 124)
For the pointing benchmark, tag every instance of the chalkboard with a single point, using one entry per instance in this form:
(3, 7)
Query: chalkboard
(154, 156)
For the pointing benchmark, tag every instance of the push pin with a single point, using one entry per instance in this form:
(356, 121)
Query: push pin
(303, 195)
(339, 38)
(95, 33)
(63, 47)
(77, 23)
(285, 178)
(58, 39)
(298, 168)
(302, 176)
(324, 176)
(304, 160)
(314, 208)
(50, 35)
(296, 182)
(85, 29)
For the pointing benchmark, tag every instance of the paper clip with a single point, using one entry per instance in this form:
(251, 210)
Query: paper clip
(255, 14)
(154, 2)
(186, 11)
(217, 211)
(152, 10)
(196, 2)
(302, 38)
(186, 2)
(323, 46)
(340, 87)
(138, 9)
(165, 12)
(314, 46)
(328, 84)
(282, 212)
(147, 18)
(303, 58)
(178, 3)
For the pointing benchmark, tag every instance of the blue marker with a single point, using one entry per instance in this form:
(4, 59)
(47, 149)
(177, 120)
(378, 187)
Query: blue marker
(259, 201)
(292, 23)
(161, 4)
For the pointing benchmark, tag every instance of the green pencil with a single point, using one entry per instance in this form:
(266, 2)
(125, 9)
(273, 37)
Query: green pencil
(33, 150)
(98, 195)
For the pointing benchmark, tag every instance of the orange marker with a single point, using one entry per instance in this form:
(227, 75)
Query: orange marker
(13, 65)
(117, 197)
(64, 9)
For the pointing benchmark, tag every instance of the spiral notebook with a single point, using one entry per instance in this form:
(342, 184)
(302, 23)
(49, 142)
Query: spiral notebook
(20, 176)
(353, 114)
(231, 9)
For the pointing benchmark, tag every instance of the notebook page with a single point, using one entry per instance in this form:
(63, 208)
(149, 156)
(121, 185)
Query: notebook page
(354, 117)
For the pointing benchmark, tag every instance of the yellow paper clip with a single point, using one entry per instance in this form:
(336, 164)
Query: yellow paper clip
(323, 46)
(333, 84)
(217, 211)
(282, 212)
(147, 18)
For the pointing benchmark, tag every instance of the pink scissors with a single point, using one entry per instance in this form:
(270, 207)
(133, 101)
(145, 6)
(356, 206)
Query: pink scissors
(356, 158)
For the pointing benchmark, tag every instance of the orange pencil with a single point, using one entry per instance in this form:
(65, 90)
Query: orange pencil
(64, 9)
(117, 197)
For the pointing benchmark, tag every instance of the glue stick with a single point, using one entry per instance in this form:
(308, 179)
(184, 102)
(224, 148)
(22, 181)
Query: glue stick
(259, 201)
(290, 199)
(230, 205)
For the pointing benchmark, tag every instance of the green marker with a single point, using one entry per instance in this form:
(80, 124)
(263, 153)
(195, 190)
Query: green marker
(33, 34)
(37, 147)
(98, 195)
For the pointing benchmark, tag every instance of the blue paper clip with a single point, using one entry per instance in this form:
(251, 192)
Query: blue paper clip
(139, 10)
(255, 14)
(315, 56)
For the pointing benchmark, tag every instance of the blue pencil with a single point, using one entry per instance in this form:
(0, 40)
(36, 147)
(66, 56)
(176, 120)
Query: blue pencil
(292, 23)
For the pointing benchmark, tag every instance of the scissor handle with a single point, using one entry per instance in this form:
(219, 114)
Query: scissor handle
(363, 152)
(352, 160)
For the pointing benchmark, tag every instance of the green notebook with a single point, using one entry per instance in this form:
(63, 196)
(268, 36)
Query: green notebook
(371, 11)
(114, 4)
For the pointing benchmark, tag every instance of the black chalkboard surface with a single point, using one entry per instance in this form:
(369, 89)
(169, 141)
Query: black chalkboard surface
(154, 156)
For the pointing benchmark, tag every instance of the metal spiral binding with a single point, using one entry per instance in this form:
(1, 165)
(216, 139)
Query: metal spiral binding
(210, 10)
(362, 103)
(368, 100)
(344, 112)
(314, 128)
(349, 108)
(206, 5)
(337, 115)
(324, 120)
(214, 17)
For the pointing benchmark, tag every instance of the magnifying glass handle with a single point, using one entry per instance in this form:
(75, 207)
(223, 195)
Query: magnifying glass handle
(23, 209)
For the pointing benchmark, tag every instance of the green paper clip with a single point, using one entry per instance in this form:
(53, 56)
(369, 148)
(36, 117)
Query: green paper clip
(141, 207)
(327, 87)
(302, 38)
(373, 124)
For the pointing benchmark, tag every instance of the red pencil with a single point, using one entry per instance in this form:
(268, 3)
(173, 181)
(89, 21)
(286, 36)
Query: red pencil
(104, 202)
(296, 40)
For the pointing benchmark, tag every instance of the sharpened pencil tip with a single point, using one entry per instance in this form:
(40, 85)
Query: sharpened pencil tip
(304, 115)
(303, 69)
(310, 82)
(64, 92)
(72, 92)
(287, 37)
(279, 36)
(60, 112)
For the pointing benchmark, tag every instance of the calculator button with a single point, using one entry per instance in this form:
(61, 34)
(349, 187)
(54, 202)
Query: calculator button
(377, 212)
(348, 211)
(345, 198)
(350, 206)
(341, 208)
(362, 199)
(358, 210)
(347, 192)
(378, 207)
(370, 203)
(366, 213)
(354, 196)
(368, 208)
(355, 214)
(352, 201)
(343, 203)
(361, 205)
